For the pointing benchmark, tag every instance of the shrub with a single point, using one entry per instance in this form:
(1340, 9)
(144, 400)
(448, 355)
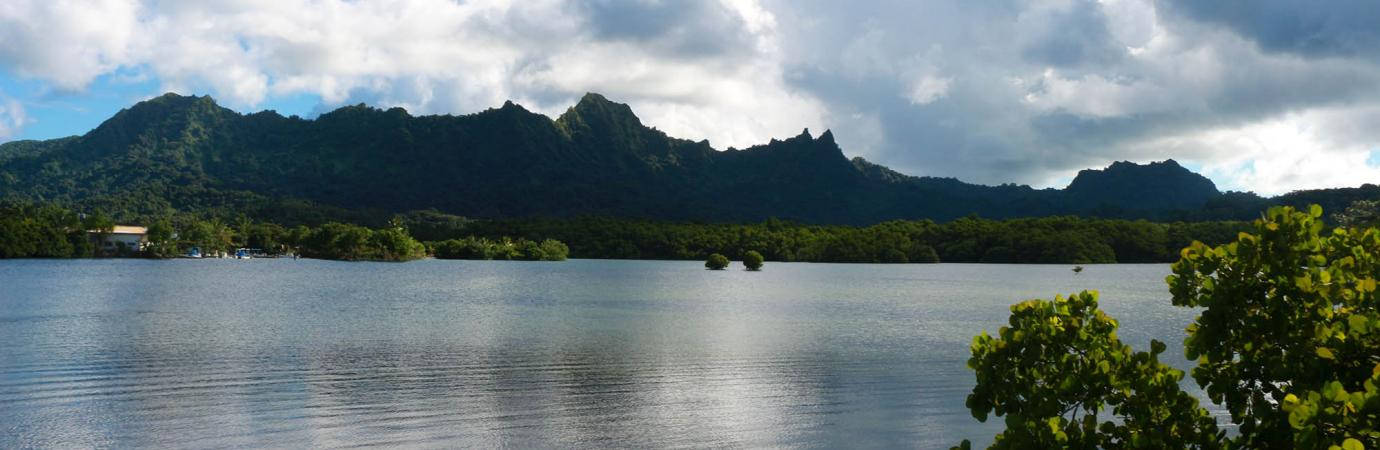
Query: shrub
(752, 260)
(1060, 363)
(716, 262)
(1287, 340)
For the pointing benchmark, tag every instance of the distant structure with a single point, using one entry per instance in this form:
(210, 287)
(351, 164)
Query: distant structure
(129, 237)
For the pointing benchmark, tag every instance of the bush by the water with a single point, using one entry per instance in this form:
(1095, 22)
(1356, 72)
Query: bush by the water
(752, 260)
(1287, 340)
(355, 243)
(47, 231)
(716, 262)
(503, 248)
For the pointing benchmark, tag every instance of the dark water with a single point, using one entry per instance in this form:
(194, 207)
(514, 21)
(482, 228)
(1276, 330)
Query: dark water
(284, 353)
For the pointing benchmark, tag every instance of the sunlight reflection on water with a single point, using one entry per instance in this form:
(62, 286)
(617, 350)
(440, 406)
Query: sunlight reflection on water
(583, 353)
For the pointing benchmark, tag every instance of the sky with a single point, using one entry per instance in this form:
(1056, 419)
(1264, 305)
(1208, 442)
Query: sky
(1267, 96)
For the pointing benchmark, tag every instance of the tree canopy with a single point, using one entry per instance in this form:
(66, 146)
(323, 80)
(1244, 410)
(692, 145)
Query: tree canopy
(1287, 340)
(752, 260)
(716, 262)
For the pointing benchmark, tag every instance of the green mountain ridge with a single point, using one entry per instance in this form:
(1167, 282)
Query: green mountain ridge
(186, 153)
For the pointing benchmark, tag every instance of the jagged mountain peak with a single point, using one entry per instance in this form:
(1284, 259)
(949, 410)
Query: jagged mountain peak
(598, 113)
(827, 137)
(596, 158)
(1159, 184)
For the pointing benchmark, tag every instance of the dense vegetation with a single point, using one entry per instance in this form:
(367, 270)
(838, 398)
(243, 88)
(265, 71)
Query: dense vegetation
(752, 260)
(28, 231)
(1287, 340)
(40, 231)
(48, 231)
(716, 262)
(176, 154)
(356, 243)
(502, 248)
(969, 239)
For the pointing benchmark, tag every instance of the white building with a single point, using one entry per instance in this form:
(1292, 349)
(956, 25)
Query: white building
(134, 238)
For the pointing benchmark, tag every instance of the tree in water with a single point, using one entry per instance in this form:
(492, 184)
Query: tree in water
(752, 260)
(716, 262)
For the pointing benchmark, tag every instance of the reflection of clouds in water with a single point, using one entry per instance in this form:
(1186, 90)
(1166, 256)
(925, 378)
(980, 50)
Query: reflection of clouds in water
(278, 353)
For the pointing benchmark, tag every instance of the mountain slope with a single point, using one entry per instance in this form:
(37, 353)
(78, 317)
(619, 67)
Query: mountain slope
(187, 153)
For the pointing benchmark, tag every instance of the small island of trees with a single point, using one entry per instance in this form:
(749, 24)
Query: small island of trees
(752, 260)
(716, 262)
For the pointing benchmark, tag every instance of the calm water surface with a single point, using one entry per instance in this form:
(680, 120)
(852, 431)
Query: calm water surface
(582, 353)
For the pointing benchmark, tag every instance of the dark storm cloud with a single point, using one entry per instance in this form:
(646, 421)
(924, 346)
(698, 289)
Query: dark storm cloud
(1308, 28)
(1036, 91)
(1073, 37)
(683, 28)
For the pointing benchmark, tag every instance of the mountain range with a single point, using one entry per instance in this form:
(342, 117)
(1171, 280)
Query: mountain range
(186, 153)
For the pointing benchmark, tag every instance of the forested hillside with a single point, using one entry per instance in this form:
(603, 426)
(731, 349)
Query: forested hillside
(360, 164)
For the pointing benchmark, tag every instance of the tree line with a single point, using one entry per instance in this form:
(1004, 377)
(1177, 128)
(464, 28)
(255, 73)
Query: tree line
(503, 248)
(30, 230)
(1064, 239)
(50, 231)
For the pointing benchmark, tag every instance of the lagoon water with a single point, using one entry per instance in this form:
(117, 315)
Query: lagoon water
(582, 353)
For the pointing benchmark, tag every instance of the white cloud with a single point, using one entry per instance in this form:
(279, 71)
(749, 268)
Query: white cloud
(430, 56)
(928, 89)
(1311, 149)
(67, 42)
(1031, 91)
(12, 117)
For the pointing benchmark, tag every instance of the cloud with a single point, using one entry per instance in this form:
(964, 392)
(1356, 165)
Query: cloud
(1313, 149)
(1039, 90)
(67, 42)
(1326, 28)
(700, 69)
(428, 55)
(12, 117)
(990, 92)
(928, 89)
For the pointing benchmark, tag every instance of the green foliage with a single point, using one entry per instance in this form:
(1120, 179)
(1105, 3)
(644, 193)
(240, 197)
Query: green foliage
(160, 240)
(752, 260)
(44, 231)
(211, 236)
(504, 248)
(356, 243)
(49, 231)
(1361, 213)
(1066, 240)
(1287, 340)
(716, 262)
(176, 154)
(1289, 317)
(553, 250)
(1059, 363)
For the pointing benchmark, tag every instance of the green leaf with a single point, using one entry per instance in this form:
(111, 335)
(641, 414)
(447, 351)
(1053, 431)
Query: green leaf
(1357, 323)
(1324, 352)
(1352, 444)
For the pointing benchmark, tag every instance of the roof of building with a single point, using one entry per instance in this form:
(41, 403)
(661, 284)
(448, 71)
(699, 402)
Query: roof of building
(129, 229)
